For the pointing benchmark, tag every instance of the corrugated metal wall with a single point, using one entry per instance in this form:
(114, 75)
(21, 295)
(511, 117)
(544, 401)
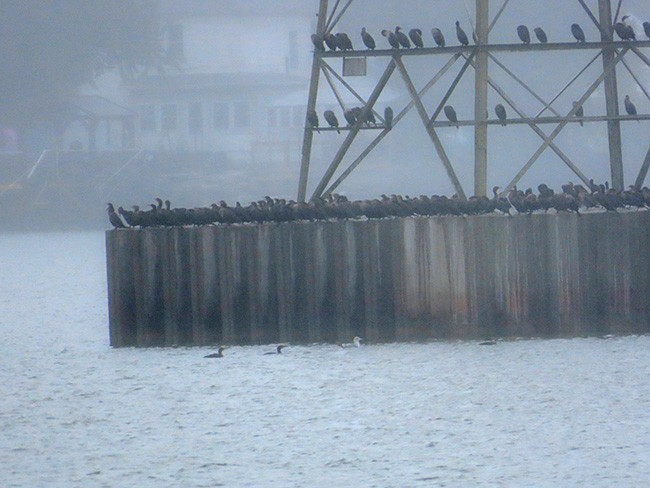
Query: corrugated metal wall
(385, 280)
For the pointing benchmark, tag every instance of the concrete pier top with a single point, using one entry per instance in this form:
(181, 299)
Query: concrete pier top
(398, 279)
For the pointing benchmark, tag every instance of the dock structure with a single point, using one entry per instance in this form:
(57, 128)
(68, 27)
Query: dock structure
(396, 279)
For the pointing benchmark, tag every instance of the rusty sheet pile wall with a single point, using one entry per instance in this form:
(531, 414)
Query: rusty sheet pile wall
(397, 279)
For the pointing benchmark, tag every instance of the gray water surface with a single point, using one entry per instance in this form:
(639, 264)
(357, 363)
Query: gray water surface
(76, 413)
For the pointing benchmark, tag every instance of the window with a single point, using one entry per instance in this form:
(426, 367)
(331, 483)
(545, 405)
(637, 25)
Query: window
(242, 119)
(195, 118)
(175, 42)
(168, 117)
(221, 116)
(147, 118)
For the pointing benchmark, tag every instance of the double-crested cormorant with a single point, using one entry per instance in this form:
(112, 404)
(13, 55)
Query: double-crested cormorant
(622, 31)
(501, 113)
(218, 354)
(344, 42)
(438, 37)
(629, 30)
(332, 120)
(541, 35)
(350, 116)
(646, 29)
(388, 117)
(278, 350)
(580, 112)
(402, 38)
(451, 115)
(318, 42)
(392, 38)
(367, 39)
(460, 33)
(312, 119)
(331, 41)
(114, 218)
(416, 37)
(629, 106)
(577, 32)
(524, 34)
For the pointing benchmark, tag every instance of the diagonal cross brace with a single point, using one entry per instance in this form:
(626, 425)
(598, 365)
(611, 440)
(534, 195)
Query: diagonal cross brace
(451, 89)
(396, 120)
(549, 139)
(354, 131)
(430, 130)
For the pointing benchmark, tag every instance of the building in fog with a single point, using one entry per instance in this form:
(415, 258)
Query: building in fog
(233, 63)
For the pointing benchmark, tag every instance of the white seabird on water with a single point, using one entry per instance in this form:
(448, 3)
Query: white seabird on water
(356, 342)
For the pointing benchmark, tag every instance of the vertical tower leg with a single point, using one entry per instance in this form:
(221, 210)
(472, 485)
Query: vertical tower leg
(611, 97)
(311, 105)
(480, 101)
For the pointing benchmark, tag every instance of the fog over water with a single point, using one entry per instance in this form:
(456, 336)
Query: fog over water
(76, 413)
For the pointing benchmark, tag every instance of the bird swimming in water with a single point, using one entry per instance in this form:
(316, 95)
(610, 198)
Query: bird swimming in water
(580, 112)
(402, 38)
(318, 42)
(438, 37)
(278, 350)
(312, 119)
(630, 108)
(367, 39)
(416, 37)
(392, 38)
(388, 117)
(460, 33)
(577, 32)
(451, 115)
(114, 218)
(501, 113)
(524, 34)
(541, 35)
(356, 342)
(218, 354)
(331, 119)
(487, 342)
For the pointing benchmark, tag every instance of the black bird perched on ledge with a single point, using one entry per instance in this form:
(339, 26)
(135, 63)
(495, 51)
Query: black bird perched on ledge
(331, 119)
(646, 28)
(312, 119)
(577, 32)
(344, 42)
(318, 42)
(392, 38)
(501, 113)
(350, 116)
(622, 31)
(114, 218)
(402, 38)
(460, 33)
(367, 39)
(630, 108)
(388, 117)
(629, 30)
(524, 34)
(331, 41)
(438, 37)
(541, 35)
(580, 112)
(451, 115)
(218, 354)
(416, 37)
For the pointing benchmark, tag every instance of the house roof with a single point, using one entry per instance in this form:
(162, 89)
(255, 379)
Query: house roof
(99, 107)
(210, 81)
